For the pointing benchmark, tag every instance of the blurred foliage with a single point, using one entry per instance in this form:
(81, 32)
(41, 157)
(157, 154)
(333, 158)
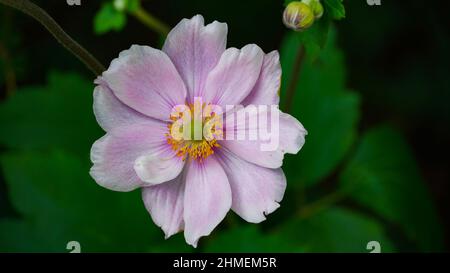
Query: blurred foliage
(47, 132)
(113, 15)
(335, 8)
(383, 176)
(109, 18)
(337, 230)
(57, 115)
(248, 238)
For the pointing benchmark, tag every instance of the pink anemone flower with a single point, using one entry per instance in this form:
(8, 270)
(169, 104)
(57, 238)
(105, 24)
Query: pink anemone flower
(190, 185)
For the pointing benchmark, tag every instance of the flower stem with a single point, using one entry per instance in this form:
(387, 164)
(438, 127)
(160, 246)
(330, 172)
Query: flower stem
(60, 35)
(292, 86)
(10, 76)
(322, 203)
(151, 21)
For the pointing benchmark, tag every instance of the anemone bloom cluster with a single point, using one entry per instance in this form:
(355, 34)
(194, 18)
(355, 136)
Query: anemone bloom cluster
(190, 178)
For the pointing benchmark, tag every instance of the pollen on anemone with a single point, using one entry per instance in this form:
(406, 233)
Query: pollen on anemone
(191, 183)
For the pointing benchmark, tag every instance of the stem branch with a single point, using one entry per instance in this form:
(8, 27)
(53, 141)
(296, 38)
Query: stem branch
(151, 21)
(320, 204)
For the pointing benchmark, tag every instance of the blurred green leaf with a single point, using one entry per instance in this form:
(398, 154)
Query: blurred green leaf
(109, 18)
(249, 238)
(57, 198)
(335, 8)
(315, 39)
(321, 102)
(58, 115)
(19, 236)
(337, 230)
(384, 177)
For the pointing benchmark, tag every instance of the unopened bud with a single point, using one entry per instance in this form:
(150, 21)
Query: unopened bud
(316, 7)
(298, 16)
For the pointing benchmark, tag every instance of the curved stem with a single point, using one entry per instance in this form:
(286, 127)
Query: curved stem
(322, 203)
(292, 85)
(62, 37)
(10, 75)
(151, 21)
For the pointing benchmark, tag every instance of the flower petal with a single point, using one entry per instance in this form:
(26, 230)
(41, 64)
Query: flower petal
(145, 79)
(289, 138)
(158, 165)
(207, 198)
(267, 87)
(255, 190)
(112, 113)
(292, 134)
(114, 154)
(234, 76)
(164, 202)
(195, 49)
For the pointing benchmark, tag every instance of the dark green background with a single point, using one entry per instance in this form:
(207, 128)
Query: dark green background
(374, 166)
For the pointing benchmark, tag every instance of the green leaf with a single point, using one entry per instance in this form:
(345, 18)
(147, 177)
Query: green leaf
(19, 236)
(335, 9)
(58, 115)
(384, 177)
(322, 104)
(337, 230)
(108, 18)
(59, 203)
(249, 238)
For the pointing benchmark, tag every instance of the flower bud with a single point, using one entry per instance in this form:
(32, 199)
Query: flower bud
(298, 16)
(316, 7)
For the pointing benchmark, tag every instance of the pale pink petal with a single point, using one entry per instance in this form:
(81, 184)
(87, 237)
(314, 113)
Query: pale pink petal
(145, 79)
(195, 49)
(164, 202)
(111, 113)
(207, 198)
(234, 76)
(255, 190)
(289, 138)
(292, 134)
(158, 165)
(266, 90)
(114, 154)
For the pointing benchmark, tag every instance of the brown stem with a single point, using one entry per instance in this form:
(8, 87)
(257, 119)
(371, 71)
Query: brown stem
(10, 76)
(294, 78)
(321, 204)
